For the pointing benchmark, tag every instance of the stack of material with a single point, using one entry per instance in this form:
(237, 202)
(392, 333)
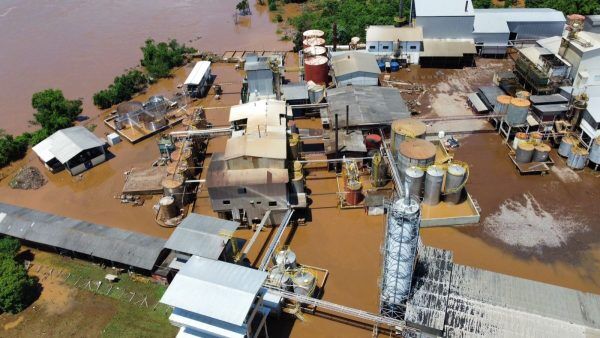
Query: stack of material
(28, 178)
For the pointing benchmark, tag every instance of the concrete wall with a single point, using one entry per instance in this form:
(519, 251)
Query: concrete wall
(358, 79)
(491, 43)
(383, 47)
(255, 200)
(446, 27)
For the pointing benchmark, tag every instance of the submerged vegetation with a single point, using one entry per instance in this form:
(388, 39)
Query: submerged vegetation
(122, 89)
(17, 289)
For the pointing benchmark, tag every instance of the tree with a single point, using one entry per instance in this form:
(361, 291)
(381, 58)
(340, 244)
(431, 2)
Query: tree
(243, 7)
(54, 111)
(17, 289)
(160, 57)
(123, 88)
(9, 247)
(12, 148)
(482, 3)
(584, 7)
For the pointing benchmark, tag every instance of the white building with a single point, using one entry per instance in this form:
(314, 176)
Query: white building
(387, 40)
(444, 19)
(197, 83)
(355, 68)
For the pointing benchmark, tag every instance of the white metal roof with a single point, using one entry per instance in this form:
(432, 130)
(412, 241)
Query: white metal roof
(495, 20)
(552, 43)
(66, 143)
(448, 47)
(269, 145)
(215, 289)
(198, 73)
(393, 33)
(533, 53)
(489, 23)
(260, 113)
(443, 8)
(352, 62)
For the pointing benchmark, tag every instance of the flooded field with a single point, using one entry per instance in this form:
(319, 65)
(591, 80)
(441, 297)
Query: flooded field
(80, 46)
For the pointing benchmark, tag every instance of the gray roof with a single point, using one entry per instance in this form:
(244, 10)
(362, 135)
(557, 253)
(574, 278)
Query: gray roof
(448, 47)
(443, 8)
(393, 33)
(369, 105)
(201, 236)
(66, 144)
(354, 62)
(353, 142)
(495, 20)
(215, 289)
(489, 94)
(476, 102)
(295, 91)
(548, 99)
(593, 19)
(100, 241)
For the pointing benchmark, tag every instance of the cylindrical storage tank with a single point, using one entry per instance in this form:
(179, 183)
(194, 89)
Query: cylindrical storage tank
(577, 158)
(379, 171)
(523, 94)
(167, 208)
(174, 187)
(175, 169)
(280, 278)
(541, 153)
(519, 137)
(314, 51)
(373, 141)
(316, 69)
(304, 283)
(298, 180)
(517, 112)
(286, 259)
(353, 193)
(455, 180)
(313, 33)
(524, 152)
(434, 179)
(566, 144)
(502, 103)
(415, 152)
(313, 42)
(536, 137)
(415, 179)
(295, 146)
(183, 155)
(595, 151)
(406, 128)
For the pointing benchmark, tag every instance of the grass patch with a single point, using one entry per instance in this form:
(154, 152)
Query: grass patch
(133, 321)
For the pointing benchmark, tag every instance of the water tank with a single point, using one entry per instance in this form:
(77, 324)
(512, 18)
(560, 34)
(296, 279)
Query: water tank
(566, 143)
(524, 152)
(541, 152)
(314, 51)
(394, 66)
(353, 193)
(434, 179)
(523, 94)
(455, 180)
(519, 137)
(313, 42)
(502, 103)
(577, 158)
(280, 278)
(373, 141)
(595, 151)
(316, 69)
(517, 112)
(295, 146)
(286, 259)
(174, 187)
(536, 137)
(313, 33)
(316, 93)
(415, 152)
(415, 179)
(401, 129)
(298, 180)
(167, 208)
(305, 283)
(400, 250)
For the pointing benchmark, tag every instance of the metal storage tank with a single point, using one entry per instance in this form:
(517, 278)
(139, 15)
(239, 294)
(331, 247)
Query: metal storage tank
(455, 180)
(541, 153)
(401, 129)
(415, 178)
(295, 146)
(502, 103)
(286, 259)
(523, 94)
(536, 137)
(595, 151)
(304, 282)
(434, 180)
(280, 278)
(353, 193)
(519, 137)
(183, 156)
(566, 144)
(524, 152)
(415, 152)
(298, 180)
(174, 187)
(313, 33)
(313, 42)
(167, 208)
(517, 112)
(175, 169)
(314, 51)
(316, 69)
(379, 171)
(577, 158)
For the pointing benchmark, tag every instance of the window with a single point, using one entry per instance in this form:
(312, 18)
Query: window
(258, 202)
(272, 204)
(226, 202)
(241, 190)
(371, 47)
(386, 47)
(413, 47)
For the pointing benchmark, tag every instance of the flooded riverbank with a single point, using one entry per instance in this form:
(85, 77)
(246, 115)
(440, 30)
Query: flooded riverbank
(80, 46)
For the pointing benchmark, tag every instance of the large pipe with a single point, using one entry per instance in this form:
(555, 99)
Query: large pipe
(347, 118)
(337, 143)
(286, 220)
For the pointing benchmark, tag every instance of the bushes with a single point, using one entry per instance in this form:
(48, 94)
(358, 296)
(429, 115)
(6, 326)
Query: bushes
(17, 289)
(584, 7)
(122, 89)
(160, 57)
(12, 148)
(54, 111)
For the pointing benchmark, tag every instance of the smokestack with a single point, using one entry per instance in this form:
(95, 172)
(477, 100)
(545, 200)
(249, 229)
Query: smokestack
(337, 144)
(466, 5)
(334, 32)
(347, 118)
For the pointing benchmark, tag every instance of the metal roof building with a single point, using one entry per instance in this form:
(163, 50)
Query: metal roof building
(592, 23)
(259, 113)
(355, 68)
(88, 239)
(444, 19)
(199, 73)
(260, 77)
(216, 298)
(369, 106)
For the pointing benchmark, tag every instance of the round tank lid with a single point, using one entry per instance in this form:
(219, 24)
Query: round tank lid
(526, 146)
(285, 256)
(434, 170)
(537, 135)
(166, 200)
(313, 33)
(521, 136)
(374, 138)
(409, 126)
(172, 182)
(414, 172)
(410, 208)
(456, 170)
(524, 103)
(569, 140)
(542, 148)
(504, 99)
(316, 60)
(303, 278)
(355, 40)
(579, 151)
(354, 185)
(417, 149)
(314, 42)
(297, 165)
(315, 50)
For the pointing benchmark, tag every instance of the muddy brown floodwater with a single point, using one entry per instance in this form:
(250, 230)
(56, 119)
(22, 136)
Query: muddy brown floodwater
(80, 46)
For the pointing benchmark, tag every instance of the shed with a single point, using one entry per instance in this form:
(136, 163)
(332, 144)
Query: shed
(259, 76)
(489, 94)
(389, 39)
(257, 151)
(452, 53)
(477, 104)
(198, 82)
(355, 68)
(444, 19)
(76, 149)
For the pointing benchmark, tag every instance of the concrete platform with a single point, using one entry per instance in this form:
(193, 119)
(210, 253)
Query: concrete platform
(446, 214)
(145, 181)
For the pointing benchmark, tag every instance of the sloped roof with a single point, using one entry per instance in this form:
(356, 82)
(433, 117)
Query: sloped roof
(219, 176)
(443, 8)
(198, 73)
(100, 241)
(448, 47)
(215, 289)
(66, 144)
(352, 62)
(552, 43)
(260, 113)
(269, 145)
(393, 33)
(201, 235)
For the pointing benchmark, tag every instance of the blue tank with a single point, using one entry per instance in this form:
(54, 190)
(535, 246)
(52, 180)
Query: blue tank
(381, 65)
(395, 66)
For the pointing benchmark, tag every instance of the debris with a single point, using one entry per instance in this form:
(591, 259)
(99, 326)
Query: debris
(28, 178)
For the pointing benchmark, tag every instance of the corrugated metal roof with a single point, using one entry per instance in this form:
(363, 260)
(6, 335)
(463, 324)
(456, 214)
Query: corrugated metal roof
(495, 20)
(66, 144)
(198, 73)
(448, 47)
(393, 33)
(489, 23)
(476, 102)
(351, 142)
(295, 91)
(547, 99)
(352, 62)
(112, 244)
(215, 289)
(533, 53)
(201, 235)
(443, 8)
(260, 113)
(552, 43)
(219, 176)
(267, 145)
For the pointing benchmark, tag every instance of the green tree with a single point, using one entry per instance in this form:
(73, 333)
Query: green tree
(12, 148)
(9, 247)
(123, 88)
(482, 3)
(17, 289)
(584, 7)
(54, 111)
(160, 57)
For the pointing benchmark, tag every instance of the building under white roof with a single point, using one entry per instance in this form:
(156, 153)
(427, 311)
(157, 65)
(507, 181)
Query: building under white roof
(355, 68)
(215, 298)
(444, 19)
(198, 82)
(75, 149)
(443, 8)
(259, 113)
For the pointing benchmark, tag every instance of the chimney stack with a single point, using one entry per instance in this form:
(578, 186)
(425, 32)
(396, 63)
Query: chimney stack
(466, 5)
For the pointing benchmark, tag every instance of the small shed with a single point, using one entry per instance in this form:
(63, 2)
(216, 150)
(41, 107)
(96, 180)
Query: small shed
(198, 82)
(350, 144)
(355, 68)
(75, 149)
(295, 94)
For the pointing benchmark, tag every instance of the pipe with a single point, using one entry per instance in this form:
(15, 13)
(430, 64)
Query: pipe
(256, 233)
(347, 118)
(336, 160)
(337, 142)
(286, 220)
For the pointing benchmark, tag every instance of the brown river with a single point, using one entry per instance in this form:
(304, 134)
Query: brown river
(80, 46)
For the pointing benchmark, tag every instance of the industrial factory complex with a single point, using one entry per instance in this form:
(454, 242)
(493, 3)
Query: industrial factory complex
(240, 184)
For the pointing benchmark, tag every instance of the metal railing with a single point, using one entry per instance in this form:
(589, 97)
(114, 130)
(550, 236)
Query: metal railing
(275, 242)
